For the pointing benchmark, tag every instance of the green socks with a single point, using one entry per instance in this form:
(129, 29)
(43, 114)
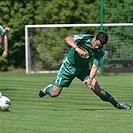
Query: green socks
(48, 89)
(108, 98)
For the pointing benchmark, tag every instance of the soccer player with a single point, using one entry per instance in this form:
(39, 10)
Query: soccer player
(84, 48)
(3, 38)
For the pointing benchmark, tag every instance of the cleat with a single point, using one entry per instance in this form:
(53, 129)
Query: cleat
(124, 106)
(42, 92)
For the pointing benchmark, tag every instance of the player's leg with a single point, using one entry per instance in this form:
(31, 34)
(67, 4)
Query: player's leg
(55, 91)
(105, 96)
(63, 79)
(51, 90)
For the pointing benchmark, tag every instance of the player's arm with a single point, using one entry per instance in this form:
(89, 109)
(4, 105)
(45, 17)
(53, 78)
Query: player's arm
(5, 52)
(93, 71)
(1, 39)
(92, 75)
(6, 29)
(3, 36)
(69, 40)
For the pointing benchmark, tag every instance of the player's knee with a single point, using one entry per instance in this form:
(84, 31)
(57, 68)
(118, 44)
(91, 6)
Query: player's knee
(54, 93)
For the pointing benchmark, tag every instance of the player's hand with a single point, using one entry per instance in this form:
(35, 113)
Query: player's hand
(88, 82)
(5, 54)
(80, 51)
(6, 29)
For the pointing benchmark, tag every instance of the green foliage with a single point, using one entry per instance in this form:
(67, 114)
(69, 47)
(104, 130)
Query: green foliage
(118, 11)
(3, 64)
(16, 14)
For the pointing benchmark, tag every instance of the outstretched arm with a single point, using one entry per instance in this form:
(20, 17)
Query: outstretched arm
(92, 75)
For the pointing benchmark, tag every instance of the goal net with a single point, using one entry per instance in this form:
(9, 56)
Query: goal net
(45, 47)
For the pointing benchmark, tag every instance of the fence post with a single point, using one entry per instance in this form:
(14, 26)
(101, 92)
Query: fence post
(101, 29)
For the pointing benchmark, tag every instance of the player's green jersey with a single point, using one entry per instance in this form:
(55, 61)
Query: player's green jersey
(84, 41)
(1, 29)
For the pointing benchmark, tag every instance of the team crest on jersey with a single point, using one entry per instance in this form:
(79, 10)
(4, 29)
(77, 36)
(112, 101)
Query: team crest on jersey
(87, 53)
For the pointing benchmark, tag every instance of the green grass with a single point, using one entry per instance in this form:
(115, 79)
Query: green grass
(76, 110)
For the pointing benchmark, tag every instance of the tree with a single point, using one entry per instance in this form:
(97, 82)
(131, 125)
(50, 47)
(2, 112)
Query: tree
(16, 14)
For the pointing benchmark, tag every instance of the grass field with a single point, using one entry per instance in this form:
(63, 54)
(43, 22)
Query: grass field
(76, 110)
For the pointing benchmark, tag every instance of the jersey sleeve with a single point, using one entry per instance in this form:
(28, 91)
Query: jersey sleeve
(98, 57)
(96, 62)
(76, 38)
(82, 37)
(5, 37)
(1, 30)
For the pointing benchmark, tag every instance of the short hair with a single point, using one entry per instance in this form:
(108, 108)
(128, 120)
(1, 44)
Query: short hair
(102, 37)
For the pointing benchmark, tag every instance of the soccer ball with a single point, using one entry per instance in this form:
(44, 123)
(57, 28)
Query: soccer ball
(5, 103)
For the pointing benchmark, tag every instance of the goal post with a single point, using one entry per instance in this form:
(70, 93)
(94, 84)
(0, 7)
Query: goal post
(27, 43)
(45, 47)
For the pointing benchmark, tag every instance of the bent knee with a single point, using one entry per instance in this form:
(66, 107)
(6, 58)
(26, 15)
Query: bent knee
(55, 93)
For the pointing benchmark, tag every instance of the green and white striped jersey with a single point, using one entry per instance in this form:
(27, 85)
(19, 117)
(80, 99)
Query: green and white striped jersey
(84, 41)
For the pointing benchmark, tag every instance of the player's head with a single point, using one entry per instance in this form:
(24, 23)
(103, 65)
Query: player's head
(102, 37)
(99, 40)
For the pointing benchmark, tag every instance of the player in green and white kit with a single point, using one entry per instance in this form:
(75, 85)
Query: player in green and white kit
(84, 48)
(3, 37)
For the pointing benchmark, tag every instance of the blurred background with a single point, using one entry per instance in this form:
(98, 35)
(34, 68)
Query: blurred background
(46, 45)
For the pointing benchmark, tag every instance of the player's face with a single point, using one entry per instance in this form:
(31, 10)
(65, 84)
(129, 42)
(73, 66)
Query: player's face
(96, 44)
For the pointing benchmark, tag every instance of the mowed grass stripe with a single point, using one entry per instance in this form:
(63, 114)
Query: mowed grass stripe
(76, 110)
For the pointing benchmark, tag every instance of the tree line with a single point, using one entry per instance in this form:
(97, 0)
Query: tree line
(16, 14)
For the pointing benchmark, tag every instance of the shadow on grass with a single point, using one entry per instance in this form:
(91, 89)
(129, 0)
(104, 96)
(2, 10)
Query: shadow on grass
(8, 110)
(95, 109)
(7, 89)
(82, 109)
